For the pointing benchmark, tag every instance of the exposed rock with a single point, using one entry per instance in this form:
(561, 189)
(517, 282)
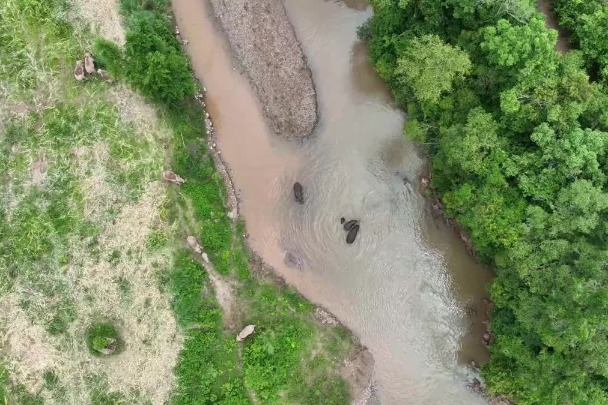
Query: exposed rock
(293, 261)
(325, 317)
(194, 245)
(172, 177)
(247, 330)
(110, 347)
(424, 183)
(79, 71)
(358, 370)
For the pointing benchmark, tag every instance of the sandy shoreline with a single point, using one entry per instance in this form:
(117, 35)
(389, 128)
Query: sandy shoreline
(264, 43)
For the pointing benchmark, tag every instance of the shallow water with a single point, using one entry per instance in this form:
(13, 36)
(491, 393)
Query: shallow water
(404, 285)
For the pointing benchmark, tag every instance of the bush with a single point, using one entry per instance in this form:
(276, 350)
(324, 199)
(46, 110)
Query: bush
(104, 336)
(154, 62)
(129, 7)
(109, 56)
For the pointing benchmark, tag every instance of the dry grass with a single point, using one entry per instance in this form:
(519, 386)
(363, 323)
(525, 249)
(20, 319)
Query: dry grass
(111, 272)
(103, 18)
(27, 345)
(135, 110)
(96, 289)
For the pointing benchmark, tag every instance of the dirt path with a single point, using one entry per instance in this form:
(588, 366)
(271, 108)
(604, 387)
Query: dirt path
(563, 45)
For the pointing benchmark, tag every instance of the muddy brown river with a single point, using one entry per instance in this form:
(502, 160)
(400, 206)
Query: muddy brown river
(407, 286)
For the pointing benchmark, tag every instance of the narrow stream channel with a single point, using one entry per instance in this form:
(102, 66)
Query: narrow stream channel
(407, 287)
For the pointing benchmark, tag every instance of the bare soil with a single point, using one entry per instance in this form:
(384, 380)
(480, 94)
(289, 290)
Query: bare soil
(265, 44)
(358, 370)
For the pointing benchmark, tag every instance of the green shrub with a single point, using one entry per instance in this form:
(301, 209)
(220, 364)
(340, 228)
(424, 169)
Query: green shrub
(109, 56)
(129, 7)
(102, 336)
(154, 62)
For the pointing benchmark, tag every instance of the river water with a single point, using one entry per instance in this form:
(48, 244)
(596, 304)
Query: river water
(407, 286)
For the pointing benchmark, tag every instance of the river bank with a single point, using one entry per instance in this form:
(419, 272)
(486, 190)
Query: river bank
(493, 154)
(96, 235)
(395, 295)
(358, 367)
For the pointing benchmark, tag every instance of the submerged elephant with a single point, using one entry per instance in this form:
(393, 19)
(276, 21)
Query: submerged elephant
(352, 234)
(350, 224)
(298, 192)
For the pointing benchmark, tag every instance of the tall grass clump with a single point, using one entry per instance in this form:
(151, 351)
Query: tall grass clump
(154, 62)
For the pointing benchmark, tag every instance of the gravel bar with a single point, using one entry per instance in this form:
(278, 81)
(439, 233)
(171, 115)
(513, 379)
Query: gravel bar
(265, 44)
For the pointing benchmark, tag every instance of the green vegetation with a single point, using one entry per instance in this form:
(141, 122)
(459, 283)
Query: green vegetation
(273, 363)
(88, 231)
(587, 22)
(155, 64)
(103, 338)
(518, 143)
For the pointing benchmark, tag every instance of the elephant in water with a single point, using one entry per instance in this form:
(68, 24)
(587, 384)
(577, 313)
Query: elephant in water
(298, 192)
(350, 224)
(352, 234)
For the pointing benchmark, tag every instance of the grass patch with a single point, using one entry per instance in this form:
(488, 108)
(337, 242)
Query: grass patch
(207, 371)
(79, 190)
(103, 339)
(15, 394)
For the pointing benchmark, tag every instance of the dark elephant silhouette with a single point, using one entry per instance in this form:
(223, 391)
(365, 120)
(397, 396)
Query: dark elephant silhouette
(298, 192)
(349, 225)
(352, 234)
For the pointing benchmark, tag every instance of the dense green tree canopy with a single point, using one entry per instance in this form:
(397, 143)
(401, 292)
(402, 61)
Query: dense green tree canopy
(517, 135)
(587, 20)
(428, 67)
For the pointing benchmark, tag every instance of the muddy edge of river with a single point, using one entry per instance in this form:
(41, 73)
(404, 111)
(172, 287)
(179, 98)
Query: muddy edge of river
(213, 62)
(358, 367)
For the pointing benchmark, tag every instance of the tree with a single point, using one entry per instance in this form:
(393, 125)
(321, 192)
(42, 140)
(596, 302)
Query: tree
(514, 46)
(429, 67)
(466, 148)
(593, 36)
(518, 137)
